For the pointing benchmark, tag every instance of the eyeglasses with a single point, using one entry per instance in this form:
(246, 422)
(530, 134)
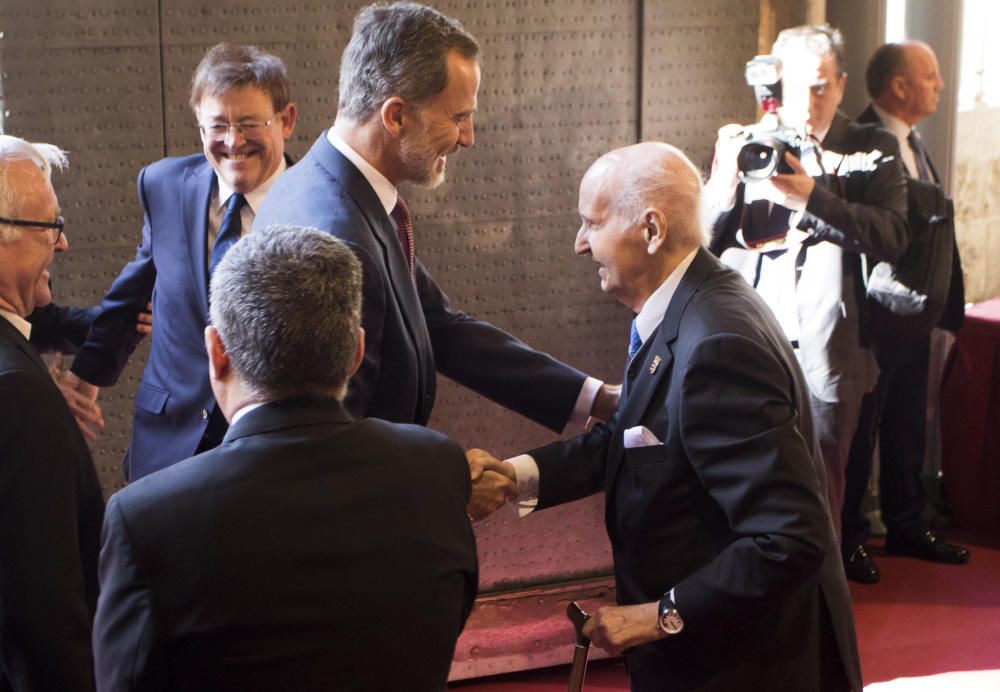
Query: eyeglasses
(248, 128)
(53, 228)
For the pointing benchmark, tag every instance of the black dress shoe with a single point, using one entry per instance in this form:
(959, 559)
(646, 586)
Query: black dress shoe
(860, 567)
(926, 546)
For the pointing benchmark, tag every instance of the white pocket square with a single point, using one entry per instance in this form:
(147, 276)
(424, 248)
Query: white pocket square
(640, 436)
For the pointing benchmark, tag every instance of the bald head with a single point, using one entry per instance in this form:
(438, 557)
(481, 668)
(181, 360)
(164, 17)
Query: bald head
(640, 212)
(904, 79)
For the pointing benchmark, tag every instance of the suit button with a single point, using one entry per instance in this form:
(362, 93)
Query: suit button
(204, 414)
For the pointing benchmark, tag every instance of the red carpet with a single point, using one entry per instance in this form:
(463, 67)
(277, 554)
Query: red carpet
(921, 620)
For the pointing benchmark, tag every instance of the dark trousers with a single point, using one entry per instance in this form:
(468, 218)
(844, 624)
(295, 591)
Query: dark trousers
(896, 413)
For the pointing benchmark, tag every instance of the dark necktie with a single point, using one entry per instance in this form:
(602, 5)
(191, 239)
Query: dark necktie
(229, 231)
(404, 226)
(634, 342)
(920, 154)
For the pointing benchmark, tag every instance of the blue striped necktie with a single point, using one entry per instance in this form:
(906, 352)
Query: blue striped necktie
(229, 231)
(634, 342)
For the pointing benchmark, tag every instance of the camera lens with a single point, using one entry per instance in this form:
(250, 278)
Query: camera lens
(757, 161)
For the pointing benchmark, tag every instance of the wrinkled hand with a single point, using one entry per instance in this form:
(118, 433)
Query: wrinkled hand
(144, 321)
(80, 396)
(494, 483)
(796, 187)
(616, 628)
(605, 402)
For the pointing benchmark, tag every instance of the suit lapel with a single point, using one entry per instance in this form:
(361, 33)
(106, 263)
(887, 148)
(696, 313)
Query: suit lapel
(10, 334)
(197, 192)
(358, 187)
(653, 364)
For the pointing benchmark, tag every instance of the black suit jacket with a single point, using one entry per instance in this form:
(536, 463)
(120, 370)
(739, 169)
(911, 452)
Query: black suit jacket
(410, 329)
(729, 511)
(954, 309)
(50, 518)
(308, 551)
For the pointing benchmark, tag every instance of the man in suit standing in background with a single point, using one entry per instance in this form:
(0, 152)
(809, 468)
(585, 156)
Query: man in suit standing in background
(903, 81)
(195, 208)
(50, 501)
(844, 198)
(726, 565)
(409, 80)
(309, 546)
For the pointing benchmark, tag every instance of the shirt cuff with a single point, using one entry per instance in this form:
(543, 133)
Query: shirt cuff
(584, 404)
(527, 484)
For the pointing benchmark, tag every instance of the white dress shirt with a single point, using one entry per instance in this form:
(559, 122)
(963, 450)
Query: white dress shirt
(221, 193)
(20, 324)
(902, 132)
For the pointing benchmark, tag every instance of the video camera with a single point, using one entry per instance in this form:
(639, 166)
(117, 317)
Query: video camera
(763, 155)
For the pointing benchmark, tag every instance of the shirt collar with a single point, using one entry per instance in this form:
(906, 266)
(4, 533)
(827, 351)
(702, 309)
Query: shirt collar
(244, 411)
(385, 190)
(256, 196)
(20, 324)
(893, 124)
(656, 305)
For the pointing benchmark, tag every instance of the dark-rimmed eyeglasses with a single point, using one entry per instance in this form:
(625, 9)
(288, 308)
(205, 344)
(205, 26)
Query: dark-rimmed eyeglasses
(249, 129)
(53, 228)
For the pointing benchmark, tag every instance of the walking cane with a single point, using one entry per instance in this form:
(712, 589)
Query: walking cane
(579, 668)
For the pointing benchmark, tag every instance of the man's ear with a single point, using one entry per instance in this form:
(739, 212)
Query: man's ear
(392, 114)
(288, 118)
(654, 229)
(359, 353)
(218, 360)
(897, 86)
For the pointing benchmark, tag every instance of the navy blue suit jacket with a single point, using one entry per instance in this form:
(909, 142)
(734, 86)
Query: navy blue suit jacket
(410, 329)
(729, 510)
(174, 398)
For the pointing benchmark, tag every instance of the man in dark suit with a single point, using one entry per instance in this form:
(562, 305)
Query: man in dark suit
(845, 198)
(310, 550)
(727, 568)
(194, 208)
(904, 82)
(409, 80)
(50, 501)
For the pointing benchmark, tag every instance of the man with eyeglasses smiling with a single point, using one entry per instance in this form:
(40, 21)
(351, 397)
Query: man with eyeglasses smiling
(195, 208)
(51, 506)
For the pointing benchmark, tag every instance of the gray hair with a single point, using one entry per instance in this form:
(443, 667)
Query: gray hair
(666, 180)
(821, 40)
(44, 156)
(228, 66)
(398, 50)
(286, 301)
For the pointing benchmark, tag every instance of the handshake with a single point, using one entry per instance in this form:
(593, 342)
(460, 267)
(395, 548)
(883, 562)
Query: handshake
(494, 483)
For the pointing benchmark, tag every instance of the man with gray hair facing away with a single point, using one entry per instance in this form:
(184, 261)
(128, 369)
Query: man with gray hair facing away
(409, 80)
(308, 546)
(50, 501)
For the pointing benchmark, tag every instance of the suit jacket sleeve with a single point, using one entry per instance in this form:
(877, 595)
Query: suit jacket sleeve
(493, 363)
(112, 337)
(44, 617)
(865, 210)
(364, 382)
(60, 329)
(127, 653)
(740, 429)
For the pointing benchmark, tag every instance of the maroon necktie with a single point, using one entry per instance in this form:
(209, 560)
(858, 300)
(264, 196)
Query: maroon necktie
(404, 226)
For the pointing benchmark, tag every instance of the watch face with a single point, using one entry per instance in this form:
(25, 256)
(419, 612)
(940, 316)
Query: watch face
(671, 622)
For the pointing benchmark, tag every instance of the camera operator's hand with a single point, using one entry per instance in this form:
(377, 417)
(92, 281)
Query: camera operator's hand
(721, 186)
(795, 187)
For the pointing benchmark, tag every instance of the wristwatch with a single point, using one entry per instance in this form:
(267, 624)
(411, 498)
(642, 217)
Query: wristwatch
(670, 621)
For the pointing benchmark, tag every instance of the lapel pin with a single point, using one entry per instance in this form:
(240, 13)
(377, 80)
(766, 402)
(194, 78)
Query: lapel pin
(655, 365)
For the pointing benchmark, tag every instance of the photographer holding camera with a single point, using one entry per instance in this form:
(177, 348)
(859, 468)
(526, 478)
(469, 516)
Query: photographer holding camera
(802, 237)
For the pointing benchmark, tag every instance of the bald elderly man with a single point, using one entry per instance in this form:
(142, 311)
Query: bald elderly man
(726, 563)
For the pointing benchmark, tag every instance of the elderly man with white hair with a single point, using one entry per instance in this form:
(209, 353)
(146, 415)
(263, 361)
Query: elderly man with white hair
(50, 501)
